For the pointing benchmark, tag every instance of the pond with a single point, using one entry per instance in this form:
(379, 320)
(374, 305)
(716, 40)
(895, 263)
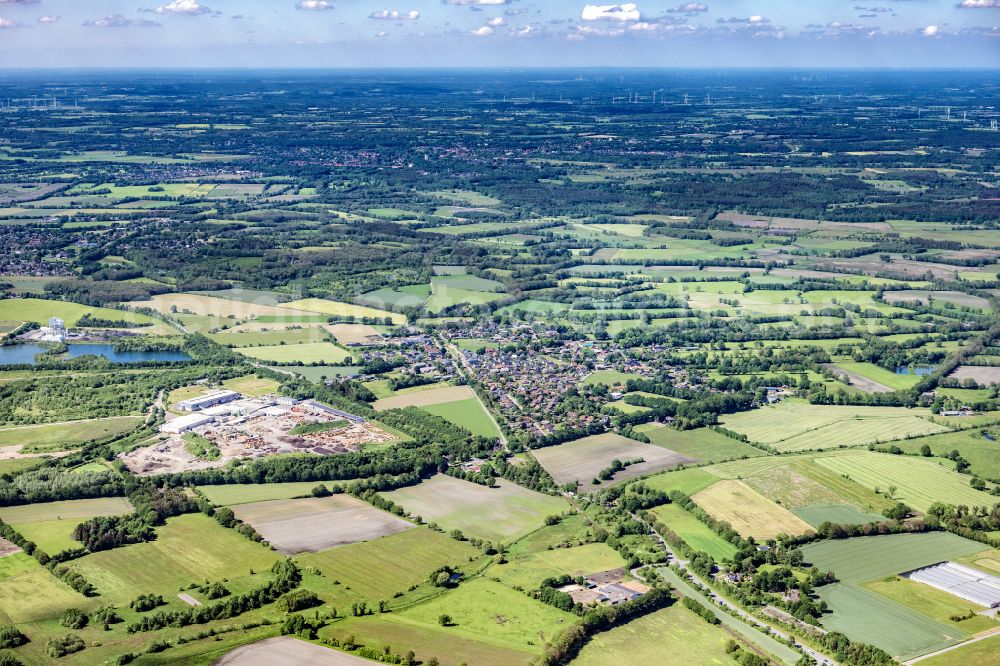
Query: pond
(919, 370)
(24, 354)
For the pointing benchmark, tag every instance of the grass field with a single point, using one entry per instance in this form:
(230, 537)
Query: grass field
(681, 637)
(983, 454)
(980, 653)
(380, 568)
(468, 414)
(703, 444)
(694, 532)
(492, 613)
(609, 377)
(880, 375)
(40, 310)
(582, 459)
(530, 570)
(60, 436)
(424, 397)
(749, 512)
(934, 603)
(864, 559)
(919, 483)
(189, 548)
(16, 564)
(496, 514)
(219, 308)
(838, 514)
(871, 618)
(315, 524)
(337, 309)
(795, 425)
(272, 337)
(687, 481)
(306, 353)
(251, 385)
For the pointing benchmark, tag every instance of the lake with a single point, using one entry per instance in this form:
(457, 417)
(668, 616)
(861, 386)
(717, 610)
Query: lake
(24, 354)
(919, 370)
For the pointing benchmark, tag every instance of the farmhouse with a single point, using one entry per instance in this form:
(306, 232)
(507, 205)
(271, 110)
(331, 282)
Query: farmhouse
(962, 581)
(209, 399)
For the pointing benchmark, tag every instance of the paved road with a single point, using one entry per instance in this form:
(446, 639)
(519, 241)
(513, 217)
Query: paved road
(752, 620)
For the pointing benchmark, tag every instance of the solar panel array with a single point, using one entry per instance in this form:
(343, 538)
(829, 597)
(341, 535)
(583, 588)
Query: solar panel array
(961, 581)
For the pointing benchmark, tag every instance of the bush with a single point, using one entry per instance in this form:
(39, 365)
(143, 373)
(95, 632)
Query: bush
(444, 620)
(11, 637)
(68, 644)
(74, 618)
(700, 610)
(8, 659)
(298, 600)
(146, 602)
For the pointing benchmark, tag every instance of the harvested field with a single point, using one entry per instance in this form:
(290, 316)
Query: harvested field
(499, 514)
(352, 334)
(66, 510)
(314, 524)
(702, 444)
(582, 459)
(425, 398)
(982, 375)
(219, 308)
(290, 652)
(860, 381)
(337, 309)
(750, 513)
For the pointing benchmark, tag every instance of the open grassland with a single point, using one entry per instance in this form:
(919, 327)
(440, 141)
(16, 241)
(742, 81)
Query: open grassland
(380, 568)
(673, 635)
(445, 296)
(307, 353)
(16, 563)
(801, 483)
(894, 380)
(609, 377)
(582, 459)
(314, 524)
(919, 483)
(979, 653)
(863, 559)
(295, 336)
(935, 604)
(60, 436)
(687, 481)
(498, 514)
(468, 414)
(40, 310)
(337, 309)
(702, 444)
(749, 512)
(424, 398)
(231, 494)
(52, 536)
(35, 595)
(530, 570)
(871, 618)
(694, 532)
(838, 514)
(794, 425)
(492, 613)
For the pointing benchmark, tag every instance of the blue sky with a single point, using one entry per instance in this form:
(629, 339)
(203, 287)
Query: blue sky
(472, 33)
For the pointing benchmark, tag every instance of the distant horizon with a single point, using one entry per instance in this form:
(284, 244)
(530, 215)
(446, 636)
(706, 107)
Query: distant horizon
(197, 34)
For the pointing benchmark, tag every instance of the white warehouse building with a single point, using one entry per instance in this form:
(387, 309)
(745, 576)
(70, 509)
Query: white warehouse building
(209, 399)
(183, 424)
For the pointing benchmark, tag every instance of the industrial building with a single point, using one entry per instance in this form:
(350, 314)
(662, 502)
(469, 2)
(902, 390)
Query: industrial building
(183, 424)
(207, 400)
(962, 581)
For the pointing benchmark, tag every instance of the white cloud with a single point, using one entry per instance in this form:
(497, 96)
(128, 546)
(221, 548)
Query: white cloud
(628, 11)
(51, 18)
(931, 31)
(979, 4)
(189, 7)
(689, 8)
(484, 31)
(496, 21)
(472, 3)
(119, 21)
(19, 2)
(393, 15)
(6, 23)
(313, 5)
